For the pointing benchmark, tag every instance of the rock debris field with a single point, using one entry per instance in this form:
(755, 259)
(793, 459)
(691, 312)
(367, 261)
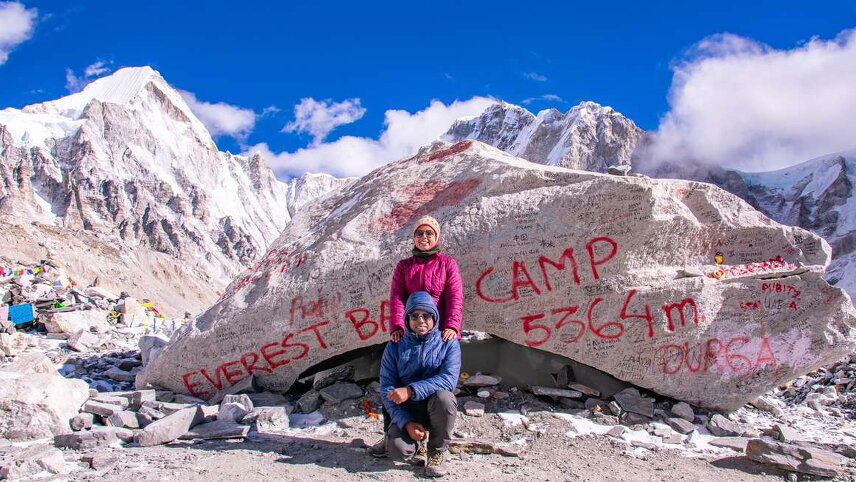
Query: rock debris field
(69, 410)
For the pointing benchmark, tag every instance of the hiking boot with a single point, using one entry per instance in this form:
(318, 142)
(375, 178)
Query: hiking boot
(435, 466)
(420, 456)
(379, 449)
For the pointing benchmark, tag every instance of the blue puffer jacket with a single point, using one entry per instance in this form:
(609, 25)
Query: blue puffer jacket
(425, 364)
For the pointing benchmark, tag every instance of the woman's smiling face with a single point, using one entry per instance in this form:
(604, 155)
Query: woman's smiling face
(424, 238)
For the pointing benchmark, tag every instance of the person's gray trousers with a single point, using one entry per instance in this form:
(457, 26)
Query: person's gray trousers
(437, 415)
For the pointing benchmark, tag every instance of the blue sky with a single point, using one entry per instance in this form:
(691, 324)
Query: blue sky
(397, 55)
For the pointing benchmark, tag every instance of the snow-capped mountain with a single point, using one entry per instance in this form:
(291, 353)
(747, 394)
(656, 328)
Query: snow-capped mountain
(589, 136)
(302, 190)
(127, 165)
(817, 195)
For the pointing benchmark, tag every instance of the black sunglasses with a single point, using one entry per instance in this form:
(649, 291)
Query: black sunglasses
(418, 316)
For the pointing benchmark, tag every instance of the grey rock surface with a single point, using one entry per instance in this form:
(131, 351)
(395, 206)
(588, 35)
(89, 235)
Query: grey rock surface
(795, 458)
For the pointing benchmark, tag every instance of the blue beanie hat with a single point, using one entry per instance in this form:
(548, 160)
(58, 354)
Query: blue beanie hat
(421, 300)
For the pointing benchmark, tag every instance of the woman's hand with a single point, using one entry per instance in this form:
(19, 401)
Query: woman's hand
(395, 336)
(449, 333)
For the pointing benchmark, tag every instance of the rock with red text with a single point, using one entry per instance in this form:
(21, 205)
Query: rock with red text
(674, 286)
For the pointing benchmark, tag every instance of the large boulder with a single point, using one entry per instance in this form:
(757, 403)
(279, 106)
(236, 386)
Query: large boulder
(35, 400)
(73, 321)
(672, 285)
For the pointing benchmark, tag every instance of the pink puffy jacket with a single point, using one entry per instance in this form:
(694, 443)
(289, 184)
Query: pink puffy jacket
(439, 276)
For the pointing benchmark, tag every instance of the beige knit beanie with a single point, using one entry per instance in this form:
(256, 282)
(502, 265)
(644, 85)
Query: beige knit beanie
(428, 221)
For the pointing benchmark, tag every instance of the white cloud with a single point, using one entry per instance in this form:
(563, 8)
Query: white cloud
(16, 26)
(95, 69)
(535, 76)
(73, 83)
(270, 110)
(221, 118)
(547, 97)
(356, 156)
(319, 118)
(743, 104)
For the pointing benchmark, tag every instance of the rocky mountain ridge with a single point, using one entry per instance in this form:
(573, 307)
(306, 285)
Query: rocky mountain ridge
(126, 164)
(589, 136)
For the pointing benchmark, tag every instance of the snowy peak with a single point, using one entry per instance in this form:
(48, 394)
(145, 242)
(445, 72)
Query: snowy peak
(588, 136)
(140, 89)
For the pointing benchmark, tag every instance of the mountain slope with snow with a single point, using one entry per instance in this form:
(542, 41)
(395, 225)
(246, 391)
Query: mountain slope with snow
(817, 195)
(126, 162)
(589, 136)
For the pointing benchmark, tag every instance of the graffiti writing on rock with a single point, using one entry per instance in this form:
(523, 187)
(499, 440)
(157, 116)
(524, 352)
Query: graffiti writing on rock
(599, 252)
(735, 355)
(424, 197)
(570, 323)
(265, 359)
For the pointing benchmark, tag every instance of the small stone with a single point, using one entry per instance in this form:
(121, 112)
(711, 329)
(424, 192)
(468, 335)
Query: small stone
(733, 443)
(662, 431)
(614, 408)
(83, 341)
(631, 400)
(617, 431)
(768, 405)
(326, 378)
(480, 380)
(644, 445)
(123, 434)
(271, 399)
(268, 419)
(722, 427)
(243, 399)
(54, 463)
(102, 409)
(795, 458)
(170, 427)
(499, 395)
(672, 438)
(684, 410)
(232, 412)
(181, 398)
(483, 394)
(785, 434)
(82, 421)
(137, 397)
(631, 418)
(218, 429)
(339, 392)
(100, 461)
(119, 375)
(680, 425)
(85, 440)
(120, 402)
(584, 389)
(474, 409)
(309, 402)
(124, 419)
(555, 392)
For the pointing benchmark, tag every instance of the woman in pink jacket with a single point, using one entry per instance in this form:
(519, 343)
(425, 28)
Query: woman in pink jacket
(427, 270)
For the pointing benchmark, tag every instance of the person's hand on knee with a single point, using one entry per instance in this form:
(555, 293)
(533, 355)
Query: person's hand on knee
(399, 395)
(415, 430)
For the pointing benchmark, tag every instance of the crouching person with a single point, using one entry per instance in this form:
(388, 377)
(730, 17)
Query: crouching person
(417, 378)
